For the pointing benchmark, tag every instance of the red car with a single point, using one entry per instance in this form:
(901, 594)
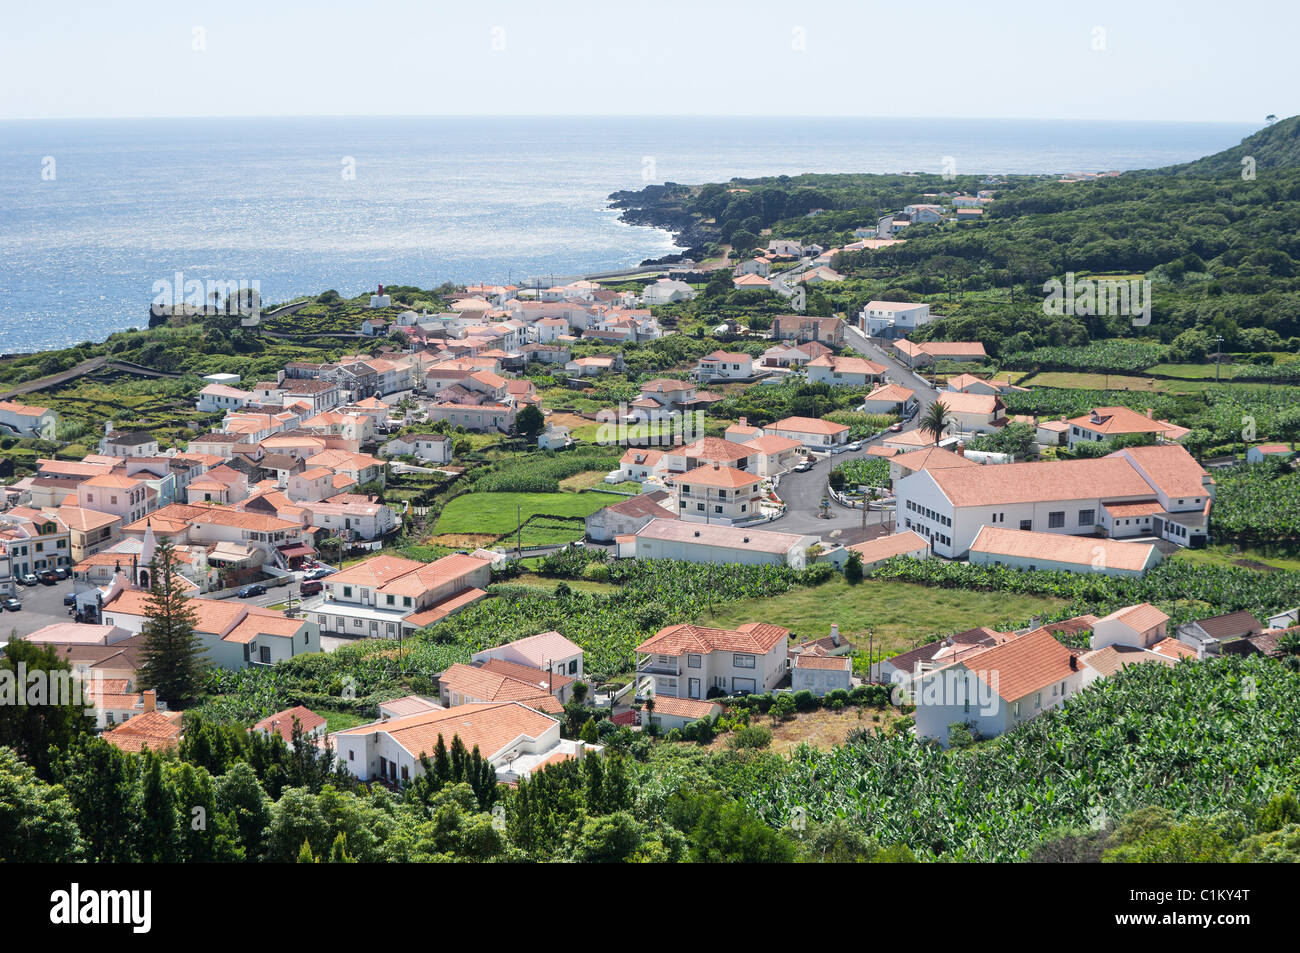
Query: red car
(896, 428)
(311, 587)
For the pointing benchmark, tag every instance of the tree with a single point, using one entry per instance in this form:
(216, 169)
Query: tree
(530, 421)
(38, 824)
(173, 659)
(43, 710)
(936, 420)
(853, 567)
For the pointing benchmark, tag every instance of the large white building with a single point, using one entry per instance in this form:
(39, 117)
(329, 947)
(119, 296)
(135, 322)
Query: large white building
(712, 543)
(24, 420)
(1140, 491)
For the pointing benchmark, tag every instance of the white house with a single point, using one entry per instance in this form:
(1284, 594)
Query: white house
(670, 712)
(890, 319)
(687, 661)
(889, 399)
(1105, 423)
(716, 493)
(812, 432)
(1142, 626)
(819, 674)
(972, 413)
(724, 366)
(546, 651)
(512, 737)
(24, 420)
(1264, 451)
(845, 371)
(996, 688)
(219, 398)
(627, 516)
(387, 596)
(429, 447)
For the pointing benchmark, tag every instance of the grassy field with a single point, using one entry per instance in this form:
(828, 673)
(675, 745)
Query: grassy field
(1233, 557)
(494, 514)
(898, 613)
(1089, 381)
(580, 585)
(590, 478)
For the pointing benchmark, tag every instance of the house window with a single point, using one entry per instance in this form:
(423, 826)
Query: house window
(694, 661)
(1038, 700)
(573, 667)
(1056, 520)
(1026, 524)
(347, 592)
(1087, 517)
(742, 661)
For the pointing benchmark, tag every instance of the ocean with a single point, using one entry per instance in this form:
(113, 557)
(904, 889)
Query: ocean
(93, 212)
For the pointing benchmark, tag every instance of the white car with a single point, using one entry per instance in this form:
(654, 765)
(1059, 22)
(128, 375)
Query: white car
(855, 445)
(803, 466)
(614, 476)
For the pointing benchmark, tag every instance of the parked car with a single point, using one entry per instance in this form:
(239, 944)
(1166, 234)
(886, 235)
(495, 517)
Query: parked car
(896, 428)
(63, 572)
(70, 599)
(803, 466)
(28, 579)
(10, 603)
(256, 589)
(48, 577)
(855, 445)
(318, 573)
(311, 587)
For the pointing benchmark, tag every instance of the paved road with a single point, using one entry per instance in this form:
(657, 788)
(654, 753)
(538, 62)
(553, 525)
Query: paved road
(42, 606)
(803, 492)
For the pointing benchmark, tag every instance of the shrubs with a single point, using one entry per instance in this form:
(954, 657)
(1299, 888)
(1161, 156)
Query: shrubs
(750, 736)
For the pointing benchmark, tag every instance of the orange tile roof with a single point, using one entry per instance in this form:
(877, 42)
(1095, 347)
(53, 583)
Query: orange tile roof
(825, 663)
(488, 727)
(1020, 666)
(714, 475)
(1174, 470)
(809, 425)
(1040, 482)
(1057, 547)
(931, 458)
(155, 730)
(282, 722)
(693, 708)
(884, 547)
(446, 607)
(1140, 618)
(963, 403)
(756, 637)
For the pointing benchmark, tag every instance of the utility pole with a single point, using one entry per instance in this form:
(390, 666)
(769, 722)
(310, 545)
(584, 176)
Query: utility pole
(519, 532)
(1218, 356)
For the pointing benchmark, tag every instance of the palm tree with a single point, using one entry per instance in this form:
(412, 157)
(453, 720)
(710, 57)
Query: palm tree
(936, 420)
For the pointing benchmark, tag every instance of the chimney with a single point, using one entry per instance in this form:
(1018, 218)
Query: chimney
(1074, 662)
(381, 291)
(579, 749)
(961, 449)
(1150, 412)
(835, 634)
(150, 700)
(1200, 651)
(744, 422)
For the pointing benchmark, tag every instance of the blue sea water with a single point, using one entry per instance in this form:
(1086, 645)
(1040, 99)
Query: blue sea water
(433, 199)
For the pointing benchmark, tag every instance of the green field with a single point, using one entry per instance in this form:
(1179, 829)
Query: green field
(898, 613)
(495, 514)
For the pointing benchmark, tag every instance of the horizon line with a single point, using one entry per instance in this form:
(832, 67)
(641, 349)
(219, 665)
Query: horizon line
(680, 116)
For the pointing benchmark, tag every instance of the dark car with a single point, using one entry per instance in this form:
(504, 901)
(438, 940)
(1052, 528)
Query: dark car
(48, 577)
(256, 589)
(63, 572)
(10, 603)
(70, 599)
(311, 587)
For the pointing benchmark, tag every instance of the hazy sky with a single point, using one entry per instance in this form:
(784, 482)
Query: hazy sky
(978, 58)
